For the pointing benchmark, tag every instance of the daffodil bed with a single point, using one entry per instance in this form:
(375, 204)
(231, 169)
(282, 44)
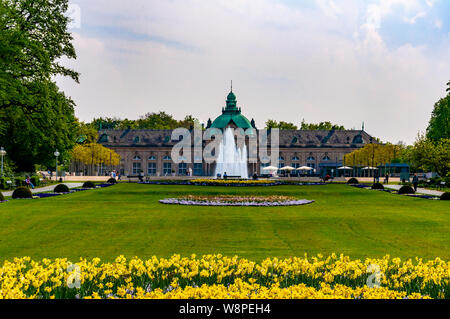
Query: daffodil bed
(232, 200)
(220, 277)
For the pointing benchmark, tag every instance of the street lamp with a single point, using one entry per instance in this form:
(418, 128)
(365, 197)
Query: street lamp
(2, 153)
(56, 172)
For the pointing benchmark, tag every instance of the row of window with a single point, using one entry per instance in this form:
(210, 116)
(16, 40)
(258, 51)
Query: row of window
(167, 169)
(152, 158)
(281, 158)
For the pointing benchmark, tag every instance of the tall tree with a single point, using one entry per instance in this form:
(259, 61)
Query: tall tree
(431, 155)
(439, 125)
(36, 117)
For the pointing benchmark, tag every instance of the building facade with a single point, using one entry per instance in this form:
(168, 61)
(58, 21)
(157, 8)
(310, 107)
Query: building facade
(150, 150)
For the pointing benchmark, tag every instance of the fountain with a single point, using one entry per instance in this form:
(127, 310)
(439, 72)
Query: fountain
(231, 159)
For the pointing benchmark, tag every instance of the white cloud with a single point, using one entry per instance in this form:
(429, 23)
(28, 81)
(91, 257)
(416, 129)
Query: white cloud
(413, 20)
(287, 63)
(438, 24)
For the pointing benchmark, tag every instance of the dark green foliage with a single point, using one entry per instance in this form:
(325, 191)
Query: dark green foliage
(3, 182)
(324, 126)
(35, 180)
(445, 196)
(406, 189)
(19, 181)
(22, 192)
(112, 181)
(282, 125)
(153, 121)
(88, 184)
(377, 186)
(439, 125)
(35, 116)
(61, 188)
(2, 198)
(352, 181)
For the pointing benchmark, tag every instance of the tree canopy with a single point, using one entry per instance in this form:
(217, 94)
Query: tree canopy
(325, 126)
(36, 116)
(281, 125)
(149, 121)
(439, 125)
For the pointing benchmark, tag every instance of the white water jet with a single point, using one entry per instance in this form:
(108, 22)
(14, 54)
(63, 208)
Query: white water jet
(231, 159)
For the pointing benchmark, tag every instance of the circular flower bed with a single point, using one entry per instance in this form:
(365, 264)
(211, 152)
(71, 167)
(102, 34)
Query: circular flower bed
(236, 201)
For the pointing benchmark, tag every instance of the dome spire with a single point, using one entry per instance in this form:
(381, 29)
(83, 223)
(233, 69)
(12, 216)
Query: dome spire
(231, 85)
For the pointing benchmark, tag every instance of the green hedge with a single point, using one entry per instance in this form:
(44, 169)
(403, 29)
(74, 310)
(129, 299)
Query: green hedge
(3, 184)
(22, 192)
(88, 184)
(35, 180)
(61, 188)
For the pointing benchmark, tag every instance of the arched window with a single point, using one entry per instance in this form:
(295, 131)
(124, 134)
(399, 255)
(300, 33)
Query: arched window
(152, 158)
(326, 158)
(137, 158)
(167, 158)
(281, 158)
(295, 158)
(137, 139)
(310, 158)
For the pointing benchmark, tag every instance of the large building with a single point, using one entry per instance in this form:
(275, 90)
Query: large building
(150, 150)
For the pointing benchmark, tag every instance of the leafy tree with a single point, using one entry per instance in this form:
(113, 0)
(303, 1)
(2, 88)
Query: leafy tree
(36, 118)
(431, 155)
(439, 125)
(86, 133)
(32, 139)
(33, 39)
(150, 121)
(282, 125)
(106, 123)
(325, 126)
(93, 154)
(157, 121)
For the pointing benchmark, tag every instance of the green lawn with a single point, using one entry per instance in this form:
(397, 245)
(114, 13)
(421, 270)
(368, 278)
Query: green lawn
(128, 219)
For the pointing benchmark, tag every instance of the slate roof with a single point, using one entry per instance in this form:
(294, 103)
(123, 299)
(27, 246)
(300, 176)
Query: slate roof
(287, 138)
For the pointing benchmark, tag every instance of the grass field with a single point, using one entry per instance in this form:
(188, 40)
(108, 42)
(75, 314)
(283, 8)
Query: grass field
(128, 219)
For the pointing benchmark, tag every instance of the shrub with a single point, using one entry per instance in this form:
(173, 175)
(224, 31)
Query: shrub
(61, 188)
(353, 181)
(22, 192)
(19, 181)
(2, 198)
(35, 180)
(377, 186)
(406, 189)
(3, 184)
(88, 184)
(111, 181)
(445, 196)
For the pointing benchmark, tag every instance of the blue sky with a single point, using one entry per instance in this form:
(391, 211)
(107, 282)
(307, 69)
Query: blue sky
(384, 62)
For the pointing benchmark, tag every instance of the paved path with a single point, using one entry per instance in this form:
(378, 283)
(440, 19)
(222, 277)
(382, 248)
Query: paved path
(419, 190)
(47, 188)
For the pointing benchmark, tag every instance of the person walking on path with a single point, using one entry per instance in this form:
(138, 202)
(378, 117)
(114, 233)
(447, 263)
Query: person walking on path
(415, 182)
(387, 178)
(141, 176)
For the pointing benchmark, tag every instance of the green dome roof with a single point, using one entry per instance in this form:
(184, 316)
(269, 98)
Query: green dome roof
(231, 97)
(231, 114)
